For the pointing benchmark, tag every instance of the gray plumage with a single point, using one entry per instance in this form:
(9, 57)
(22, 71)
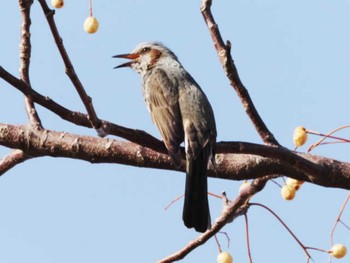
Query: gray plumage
(181, 112)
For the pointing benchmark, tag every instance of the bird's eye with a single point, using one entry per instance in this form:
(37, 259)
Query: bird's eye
(145, 50)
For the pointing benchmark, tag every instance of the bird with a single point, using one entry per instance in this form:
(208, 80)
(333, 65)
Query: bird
(182, 113)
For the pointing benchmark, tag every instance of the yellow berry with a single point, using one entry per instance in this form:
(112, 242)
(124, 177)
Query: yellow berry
(57, 3)
(338, 251)
(299, 136)
(224, 257)
(91, 25)
(288, 192)
(294, 183)
(243, 186)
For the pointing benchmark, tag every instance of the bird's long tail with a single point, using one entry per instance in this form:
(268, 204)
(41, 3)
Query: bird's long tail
(196, 207)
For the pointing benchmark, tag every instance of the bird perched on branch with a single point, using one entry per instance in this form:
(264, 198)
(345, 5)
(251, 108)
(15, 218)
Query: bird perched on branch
(181, 112)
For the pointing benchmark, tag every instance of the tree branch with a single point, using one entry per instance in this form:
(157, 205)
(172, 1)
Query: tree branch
(232, 166)
(25, 53)
(92, 149)
(278, 153)
(224, 53)
(87, 101)
(11, 160)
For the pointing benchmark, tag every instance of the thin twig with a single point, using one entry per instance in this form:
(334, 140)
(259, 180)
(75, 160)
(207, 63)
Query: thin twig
(227, 237)
(330, 136)
(25, 54)
(325, 136)
(335, 142)
(318, 249)
(285, 226)
(182, 195)
(345, 225)
(215, 195)
(174, 201)
(87, 101)
(338, 218)
(321, 250)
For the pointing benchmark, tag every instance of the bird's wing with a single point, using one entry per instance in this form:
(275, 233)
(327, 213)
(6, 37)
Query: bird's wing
(161, 95)
(197, 117)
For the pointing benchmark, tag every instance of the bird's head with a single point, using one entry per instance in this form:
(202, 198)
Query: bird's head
(146, 56)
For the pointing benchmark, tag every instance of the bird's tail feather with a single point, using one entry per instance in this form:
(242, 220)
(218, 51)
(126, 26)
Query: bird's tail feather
(196, 207)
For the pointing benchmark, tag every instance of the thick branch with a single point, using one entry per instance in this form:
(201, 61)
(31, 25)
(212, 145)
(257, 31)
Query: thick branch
(229, 165)
(278, 153)
(92, 149)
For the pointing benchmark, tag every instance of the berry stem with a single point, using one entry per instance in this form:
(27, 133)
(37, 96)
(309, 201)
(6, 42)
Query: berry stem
(90, 7)
(247, 238)
(319, 249)
(218, 243)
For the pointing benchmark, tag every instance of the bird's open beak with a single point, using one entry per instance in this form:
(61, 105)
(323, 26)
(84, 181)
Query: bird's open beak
(128, 56)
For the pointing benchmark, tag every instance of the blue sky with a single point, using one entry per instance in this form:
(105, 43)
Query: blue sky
(292, 56)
